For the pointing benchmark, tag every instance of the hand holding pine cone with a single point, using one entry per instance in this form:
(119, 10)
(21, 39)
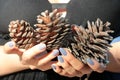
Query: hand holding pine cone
(91, 42)
(55, 32)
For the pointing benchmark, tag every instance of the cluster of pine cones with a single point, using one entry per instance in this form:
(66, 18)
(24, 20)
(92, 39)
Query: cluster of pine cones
(91, 41)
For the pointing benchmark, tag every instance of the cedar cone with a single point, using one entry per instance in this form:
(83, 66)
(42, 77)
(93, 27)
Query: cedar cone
(91, 42)
(53, 28)
(22, 34)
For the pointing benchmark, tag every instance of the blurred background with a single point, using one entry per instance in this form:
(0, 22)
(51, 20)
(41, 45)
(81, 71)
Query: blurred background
(60, 5)
(58, 1)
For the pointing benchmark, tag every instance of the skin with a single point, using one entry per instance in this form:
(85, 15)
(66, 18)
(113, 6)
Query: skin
(71, 67)
(13, 59)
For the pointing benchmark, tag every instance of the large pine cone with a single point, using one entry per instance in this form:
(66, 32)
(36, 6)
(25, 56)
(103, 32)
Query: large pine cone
(53, 28)
(22, 34)
(55, 32)
(91, 42)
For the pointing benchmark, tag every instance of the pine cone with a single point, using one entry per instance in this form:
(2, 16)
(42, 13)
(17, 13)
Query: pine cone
(55, 32)
(91, 42)
(53, 28)
(22, 34)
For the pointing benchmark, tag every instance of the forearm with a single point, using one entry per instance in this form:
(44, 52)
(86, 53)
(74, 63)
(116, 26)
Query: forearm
(114, 57)
(10, 63)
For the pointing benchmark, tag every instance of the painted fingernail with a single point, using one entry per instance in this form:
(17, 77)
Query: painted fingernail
(53, 67)
(10, 44)
(89, 61)
(41, 46)
(55, 52)
(60, 59)
(63, 52)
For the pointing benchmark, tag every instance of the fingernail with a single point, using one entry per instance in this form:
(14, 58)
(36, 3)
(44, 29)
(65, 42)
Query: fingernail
(41, 46)
(53, 67)
(89, 61)
(63, 52)
(60, 59)
(55, 52)
(10, 44)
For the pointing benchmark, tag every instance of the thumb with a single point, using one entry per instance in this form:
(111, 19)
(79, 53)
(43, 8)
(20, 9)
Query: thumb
(10, 47)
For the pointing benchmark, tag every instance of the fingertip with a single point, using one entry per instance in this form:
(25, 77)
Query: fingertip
(90, 61)
(53, 67)
(40, 46)
(56, 68)
(95, 65)
(63, 51)
(55, 52)
(9, 46)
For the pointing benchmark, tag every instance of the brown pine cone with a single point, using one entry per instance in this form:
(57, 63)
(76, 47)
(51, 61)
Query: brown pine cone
(22, 34)
(55, 32)
(91, 42)
(53, 28)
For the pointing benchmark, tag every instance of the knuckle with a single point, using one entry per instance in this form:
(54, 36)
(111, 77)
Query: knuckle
(97, 69)
(79, 67)
(72, 72)
(66, 66)
(88, 72)
(23, 62)
(25, 58)
(70, 60)
(63, 73)
(32, 67)
(58, 71)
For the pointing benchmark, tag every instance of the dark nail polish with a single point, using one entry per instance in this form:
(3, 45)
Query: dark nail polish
(89, 61)
(60, 59)
(63, 52)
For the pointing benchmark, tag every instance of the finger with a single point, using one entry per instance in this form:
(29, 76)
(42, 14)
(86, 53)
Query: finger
(56, 68)
(48, 57)
(66, 66)
(47, 66)
(69, 69)
(10, 47)
(78, 65)
(31, 53)
(60, 71)
(44, 67)
(79, 74)
(96, 66)
(86, 70)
